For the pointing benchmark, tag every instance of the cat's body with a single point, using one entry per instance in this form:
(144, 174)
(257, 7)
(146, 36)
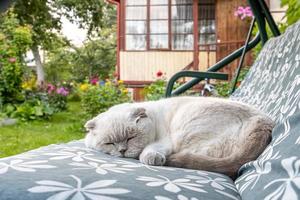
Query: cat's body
(192, 132)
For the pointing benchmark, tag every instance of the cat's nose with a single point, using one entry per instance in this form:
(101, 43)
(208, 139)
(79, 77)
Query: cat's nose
(122, 151)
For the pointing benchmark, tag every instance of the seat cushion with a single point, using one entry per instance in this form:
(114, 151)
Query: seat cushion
(276, 173)
(70, 171)
(273, 82)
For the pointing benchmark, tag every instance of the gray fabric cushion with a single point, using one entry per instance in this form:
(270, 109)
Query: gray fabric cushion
(70, 171)
(276, 173)
(273, 83)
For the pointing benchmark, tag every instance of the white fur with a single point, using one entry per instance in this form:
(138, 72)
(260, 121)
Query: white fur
(206, 126)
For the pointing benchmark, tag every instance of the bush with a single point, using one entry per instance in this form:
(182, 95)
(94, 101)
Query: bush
(223, 88)
(96, 99)
(15, 40)
(57, 97)
(156, 90)
(35, 106)
(32, 110)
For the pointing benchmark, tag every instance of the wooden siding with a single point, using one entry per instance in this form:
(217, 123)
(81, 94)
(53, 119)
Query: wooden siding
(230, 29)
(142, 66)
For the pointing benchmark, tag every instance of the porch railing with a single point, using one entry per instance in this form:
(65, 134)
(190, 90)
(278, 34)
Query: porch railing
(220, 48)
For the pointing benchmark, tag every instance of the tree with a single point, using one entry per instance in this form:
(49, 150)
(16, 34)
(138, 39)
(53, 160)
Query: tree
(96, 57)
(44, 18)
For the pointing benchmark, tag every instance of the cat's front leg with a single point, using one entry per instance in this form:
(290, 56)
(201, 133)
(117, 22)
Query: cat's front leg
(155, 154)
(152, 158)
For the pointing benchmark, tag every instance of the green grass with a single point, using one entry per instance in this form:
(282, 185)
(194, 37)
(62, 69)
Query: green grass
(24, 136)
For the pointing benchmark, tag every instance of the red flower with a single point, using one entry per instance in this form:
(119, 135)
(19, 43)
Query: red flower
(159, 73)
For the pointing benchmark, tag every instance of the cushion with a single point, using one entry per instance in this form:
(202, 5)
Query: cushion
(70, 171)
(276, 173)
(273, 82)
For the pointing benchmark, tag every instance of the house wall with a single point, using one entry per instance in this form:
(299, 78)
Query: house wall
(142, 66)
(230, 29)
(277, 11)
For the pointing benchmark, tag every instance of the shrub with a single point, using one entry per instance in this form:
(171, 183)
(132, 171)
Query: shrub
(15, 40)
(223, 88)
(57, 97)
(96, 99)
(35, 106)
(156, 90)
(32, 110)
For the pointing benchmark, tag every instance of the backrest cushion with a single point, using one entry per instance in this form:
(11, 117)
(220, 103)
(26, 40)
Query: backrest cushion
(273, 82)
(276, 173)
(273, 85)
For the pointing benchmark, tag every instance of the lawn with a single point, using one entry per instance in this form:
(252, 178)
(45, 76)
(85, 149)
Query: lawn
(24, 136)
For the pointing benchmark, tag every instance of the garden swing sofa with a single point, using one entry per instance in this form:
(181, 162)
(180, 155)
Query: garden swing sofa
(71, 171)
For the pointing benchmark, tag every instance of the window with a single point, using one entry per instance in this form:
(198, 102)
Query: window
(206, 24)
(182, 25)
(159, 24)
(136, 24)
(168, 24)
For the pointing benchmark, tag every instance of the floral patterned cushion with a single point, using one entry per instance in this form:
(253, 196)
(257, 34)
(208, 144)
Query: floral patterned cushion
(273, 83)
(276, 173)
(70, 171)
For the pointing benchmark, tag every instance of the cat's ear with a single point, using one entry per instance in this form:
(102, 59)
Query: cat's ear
(138, 113)
(90, 125)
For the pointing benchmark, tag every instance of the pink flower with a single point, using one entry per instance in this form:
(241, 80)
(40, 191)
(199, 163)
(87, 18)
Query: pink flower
(62, 91)
(12, 60)
(243, 12)
(94, 81)
(159, 73)
(50, 88)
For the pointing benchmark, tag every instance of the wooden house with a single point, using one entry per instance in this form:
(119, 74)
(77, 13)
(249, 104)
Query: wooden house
(174, 35)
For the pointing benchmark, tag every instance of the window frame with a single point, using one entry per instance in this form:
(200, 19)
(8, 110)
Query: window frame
(170, 33)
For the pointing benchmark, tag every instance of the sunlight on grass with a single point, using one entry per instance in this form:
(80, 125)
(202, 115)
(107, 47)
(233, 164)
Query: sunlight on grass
(24, 136)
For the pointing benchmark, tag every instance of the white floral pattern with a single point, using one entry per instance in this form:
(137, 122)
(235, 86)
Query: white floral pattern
(273, 82)
(101, 168)
(273, 85)
(218, 183)
(129, 164)
(171, 185)
(286, 187)
(95, 190)
(90, 167)
(20, 165)
(179, 197)
(74, 154)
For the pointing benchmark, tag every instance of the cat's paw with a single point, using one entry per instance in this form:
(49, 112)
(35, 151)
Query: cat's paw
(153, 158)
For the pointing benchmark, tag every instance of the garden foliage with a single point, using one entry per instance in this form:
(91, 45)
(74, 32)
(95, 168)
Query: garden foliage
(14, 42)
(98, 98)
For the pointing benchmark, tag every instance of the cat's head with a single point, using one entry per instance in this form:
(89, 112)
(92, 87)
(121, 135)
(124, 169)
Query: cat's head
(123, 133)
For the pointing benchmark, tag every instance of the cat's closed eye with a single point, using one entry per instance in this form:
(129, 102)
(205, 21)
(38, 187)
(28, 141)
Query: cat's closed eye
(109, 143)
(130, 138)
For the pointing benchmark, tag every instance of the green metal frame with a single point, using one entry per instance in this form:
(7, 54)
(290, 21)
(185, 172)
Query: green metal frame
(262, 16)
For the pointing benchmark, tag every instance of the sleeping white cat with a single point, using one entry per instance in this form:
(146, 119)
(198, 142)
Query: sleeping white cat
(193, 132)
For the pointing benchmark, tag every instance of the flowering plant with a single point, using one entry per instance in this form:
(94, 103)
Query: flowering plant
(94, 80)
(57, 97)
(62, 91)
(157, 89)
(98, 98)
(243, 12)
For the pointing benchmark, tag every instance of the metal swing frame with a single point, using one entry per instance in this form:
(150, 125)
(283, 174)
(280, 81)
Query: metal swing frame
(262, 17)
